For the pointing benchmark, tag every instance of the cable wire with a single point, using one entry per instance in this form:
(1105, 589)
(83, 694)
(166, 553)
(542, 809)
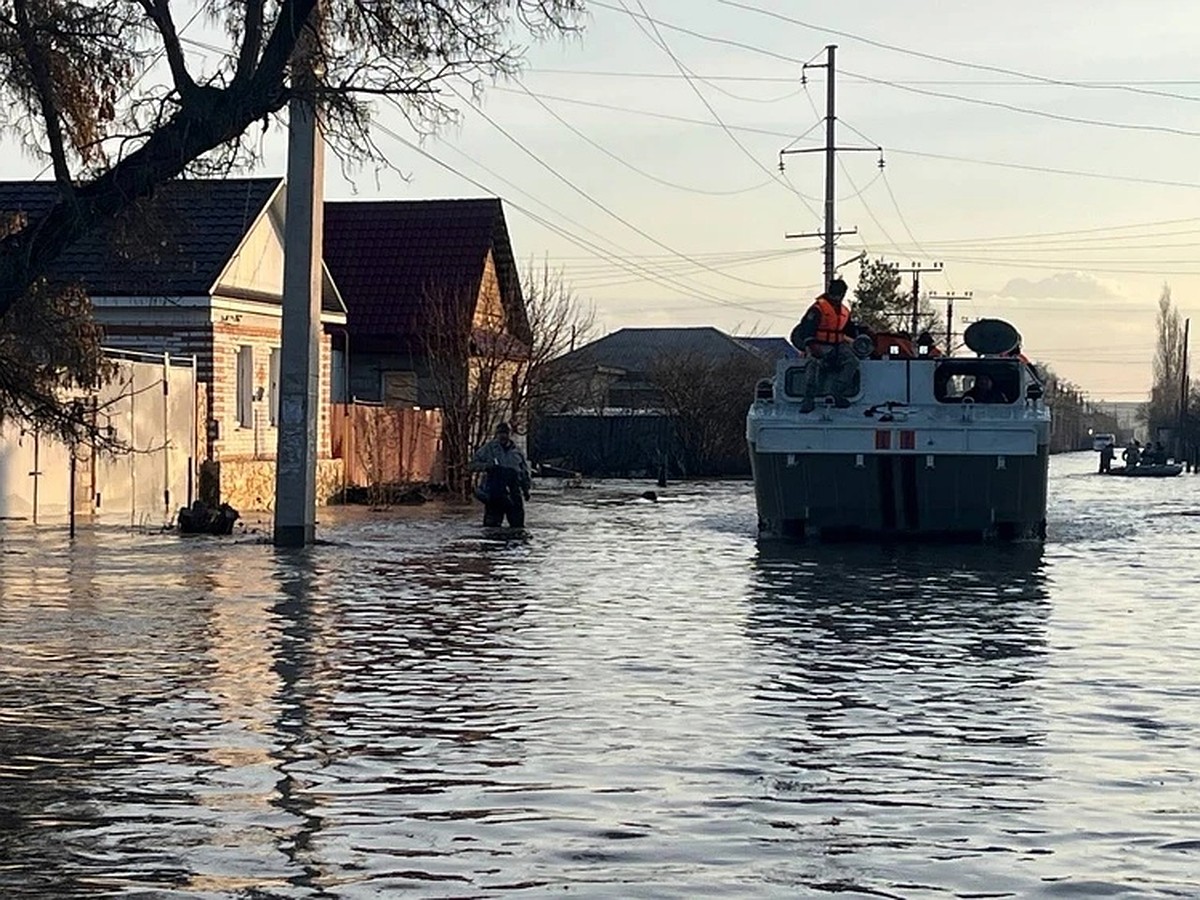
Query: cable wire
(983, 67)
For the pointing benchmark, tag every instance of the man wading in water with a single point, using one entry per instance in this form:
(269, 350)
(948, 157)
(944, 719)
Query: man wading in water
(506, 482)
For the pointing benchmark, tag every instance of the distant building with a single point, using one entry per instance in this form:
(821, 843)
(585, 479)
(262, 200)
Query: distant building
(1126, 414)
(641, 399)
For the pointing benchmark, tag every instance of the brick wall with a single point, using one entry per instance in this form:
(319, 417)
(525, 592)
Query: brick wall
(232, 331)
(214, 338)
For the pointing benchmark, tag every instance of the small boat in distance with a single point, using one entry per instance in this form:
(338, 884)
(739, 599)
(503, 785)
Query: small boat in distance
(1155, 470)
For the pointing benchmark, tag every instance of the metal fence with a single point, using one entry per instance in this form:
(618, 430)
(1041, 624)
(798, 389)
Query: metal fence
(150, 408)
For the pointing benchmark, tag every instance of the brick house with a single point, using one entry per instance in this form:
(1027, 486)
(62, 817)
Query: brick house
(416, 274)
(198, 271)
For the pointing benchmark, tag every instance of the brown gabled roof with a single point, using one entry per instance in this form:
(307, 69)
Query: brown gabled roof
(392, 258)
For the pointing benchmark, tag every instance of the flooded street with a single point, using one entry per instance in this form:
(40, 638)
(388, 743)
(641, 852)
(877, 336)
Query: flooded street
(636, 700)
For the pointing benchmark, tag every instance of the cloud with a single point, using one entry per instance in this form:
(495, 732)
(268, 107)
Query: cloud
(1060, 286)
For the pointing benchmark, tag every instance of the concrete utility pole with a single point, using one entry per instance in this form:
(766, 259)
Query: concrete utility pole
(830, 232)
(950, 298)
(300, 353)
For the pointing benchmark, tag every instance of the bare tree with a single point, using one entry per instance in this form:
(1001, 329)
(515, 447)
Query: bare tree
(1163, 409)
(707, 400)
(558, 323)
(50, 355)
(472, 348)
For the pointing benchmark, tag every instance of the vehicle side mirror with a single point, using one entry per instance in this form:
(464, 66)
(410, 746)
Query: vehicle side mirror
(764, 390)
(1033, 392)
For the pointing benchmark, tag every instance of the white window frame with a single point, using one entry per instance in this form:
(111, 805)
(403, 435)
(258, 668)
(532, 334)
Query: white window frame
(245, 386)
(274, 386)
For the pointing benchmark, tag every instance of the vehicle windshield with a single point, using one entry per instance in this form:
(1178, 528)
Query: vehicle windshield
(977, 381)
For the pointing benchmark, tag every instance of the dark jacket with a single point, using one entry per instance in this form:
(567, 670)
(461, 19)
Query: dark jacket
(495, 454)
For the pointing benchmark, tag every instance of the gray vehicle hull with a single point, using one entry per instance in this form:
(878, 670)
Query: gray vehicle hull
(847, 496)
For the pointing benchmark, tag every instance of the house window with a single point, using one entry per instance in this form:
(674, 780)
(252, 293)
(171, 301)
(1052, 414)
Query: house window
(245, 386)
(399, 388)
(274, 374)
(338, 389)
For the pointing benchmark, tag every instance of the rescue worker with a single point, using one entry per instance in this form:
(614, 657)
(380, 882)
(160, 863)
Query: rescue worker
(1132, 454)
(506, 482)
(824, 334)
(1106, 457)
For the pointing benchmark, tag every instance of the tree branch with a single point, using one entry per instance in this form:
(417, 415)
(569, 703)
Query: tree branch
(272, 66)
(207, 119)
(160, 14)
(251, 41)
(43, 85)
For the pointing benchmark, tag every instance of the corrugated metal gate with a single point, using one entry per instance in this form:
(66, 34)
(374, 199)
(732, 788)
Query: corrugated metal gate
(150, 407)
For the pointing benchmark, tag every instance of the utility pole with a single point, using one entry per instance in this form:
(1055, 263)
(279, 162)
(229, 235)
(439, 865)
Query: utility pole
(830, 232)
(299, 357)
(830, 157)
(950, 298)
(1183, 386)
(915, 269)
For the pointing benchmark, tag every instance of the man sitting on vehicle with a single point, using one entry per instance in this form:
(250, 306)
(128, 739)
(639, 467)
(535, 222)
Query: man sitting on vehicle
(824, 334)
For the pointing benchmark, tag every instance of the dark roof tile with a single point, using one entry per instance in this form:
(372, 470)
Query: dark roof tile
(176, 243)
(638, 349)
(770, 348)
(389, 257)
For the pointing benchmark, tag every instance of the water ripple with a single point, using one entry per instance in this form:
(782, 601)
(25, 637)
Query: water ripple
(635, 699)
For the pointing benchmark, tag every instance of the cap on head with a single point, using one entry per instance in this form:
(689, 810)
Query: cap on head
(836, 289)
(503, 428)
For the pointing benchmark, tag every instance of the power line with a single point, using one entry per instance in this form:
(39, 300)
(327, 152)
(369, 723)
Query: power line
(1130, 251)
(683, 70)
(781, 56)
(983, 67)
(788, 79)
(582, 243)
(1100, 242)
(620, 159)
(598, 204)
(858, 194)
(1028, 111)
(1024, 167)
(1056, 266)
(1096, 230)
(1048, 170)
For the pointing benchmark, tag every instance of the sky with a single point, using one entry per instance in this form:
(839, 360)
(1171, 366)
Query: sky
(1044, 153)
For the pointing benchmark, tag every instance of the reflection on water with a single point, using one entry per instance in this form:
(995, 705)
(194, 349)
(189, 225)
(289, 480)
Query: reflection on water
(635, 699)
(901, 685)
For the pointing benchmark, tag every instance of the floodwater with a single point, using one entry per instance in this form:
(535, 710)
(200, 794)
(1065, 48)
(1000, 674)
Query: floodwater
(635, 700)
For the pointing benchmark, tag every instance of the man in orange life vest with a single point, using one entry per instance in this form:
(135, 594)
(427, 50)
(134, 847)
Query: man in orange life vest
(824, 334)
